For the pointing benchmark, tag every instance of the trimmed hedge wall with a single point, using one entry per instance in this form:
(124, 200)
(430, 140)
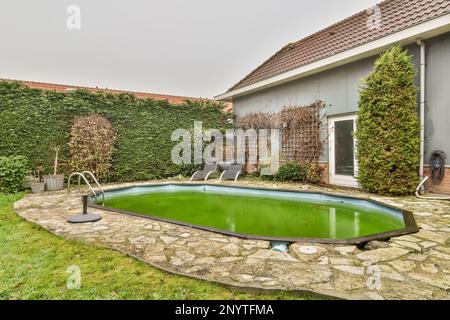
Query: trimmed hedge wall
(32, 121)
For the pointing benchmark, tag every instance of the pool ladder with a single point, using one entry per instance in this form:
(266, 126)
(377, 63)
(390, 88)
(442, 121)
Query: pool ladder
(82, 175)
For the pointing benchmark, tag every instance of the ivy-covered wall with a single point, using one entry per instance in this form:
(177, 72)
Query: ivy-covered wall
(33, 121)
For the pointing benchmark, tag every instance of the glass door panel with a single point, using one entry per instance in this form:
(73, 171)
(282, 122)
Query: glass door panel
(344, 148)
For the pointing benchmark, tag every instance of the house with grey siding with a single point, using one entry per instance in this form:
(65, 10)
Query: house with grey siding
(331, 64)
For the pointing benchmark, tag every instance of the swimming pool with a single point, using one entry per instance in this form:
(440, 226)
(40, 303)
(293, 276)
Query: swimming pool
(264, 214)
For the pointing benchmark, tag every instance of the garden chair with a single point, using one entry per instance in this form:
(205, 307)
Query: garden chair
(232, 173)
(205, 172)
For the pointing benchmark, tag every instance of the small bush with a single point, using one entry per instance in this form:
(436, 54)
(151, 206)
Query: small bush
(13, 171)
(291, 171)
(313, 173)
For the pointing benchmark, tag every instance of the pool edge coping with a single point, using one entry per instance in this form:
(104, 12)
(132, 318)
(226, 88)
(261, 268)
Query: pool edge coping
(408, 217)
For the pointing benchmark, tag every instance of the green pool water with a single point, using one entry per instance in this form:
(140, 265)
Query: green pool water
(259, 212)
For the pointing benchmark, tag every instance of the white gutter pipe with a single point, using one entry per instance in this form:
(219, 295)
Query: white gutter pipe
(423, 70)
(421, 43)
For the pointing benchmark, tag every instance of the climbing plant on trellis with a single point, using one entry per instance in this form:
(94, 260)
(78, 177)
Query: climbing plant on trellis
(300, 130)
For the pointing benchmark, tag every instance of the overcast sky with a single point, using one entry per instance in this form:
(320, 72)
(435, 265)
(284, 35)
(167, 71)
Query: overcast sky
(181, 47)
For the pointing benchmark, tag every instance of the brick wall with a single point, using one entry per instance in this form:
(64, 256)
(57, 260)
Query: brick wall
(141, 95)
(444, 186)
(325, 173)
(250, 168)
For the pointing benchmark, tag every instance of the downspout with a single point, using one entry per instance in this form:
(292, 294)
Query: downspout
(423, 70)
(421, 43)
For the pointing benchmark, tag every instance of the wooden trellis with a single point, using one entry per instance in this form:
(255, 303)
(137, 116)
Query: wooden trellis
(300, 130)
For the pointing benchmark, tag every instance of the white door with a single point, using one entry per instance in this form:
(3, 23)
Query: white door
(342, 156)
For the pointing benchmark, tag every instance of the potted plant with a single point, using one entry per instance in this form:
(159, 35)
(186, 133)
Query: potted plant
(31, 177)
(54, 182)
(36, 183)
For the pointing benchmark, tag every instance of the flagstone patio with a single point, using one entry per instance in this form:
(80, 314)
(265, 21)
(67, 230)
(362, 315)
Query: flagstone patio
(409, 267)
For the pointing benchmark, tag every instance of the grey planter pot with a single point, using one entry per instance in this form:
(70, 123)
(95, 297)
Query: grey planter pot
(54, 182)
(37, 187)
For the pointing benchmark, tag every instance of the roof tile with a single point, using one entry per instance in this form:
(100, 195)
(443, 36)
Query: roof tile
(396, 15)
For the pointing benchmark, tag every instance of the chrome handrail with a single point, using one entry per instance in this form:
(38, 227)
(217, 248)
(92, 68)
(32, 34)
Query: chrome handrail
(97, 183)
(81, 175)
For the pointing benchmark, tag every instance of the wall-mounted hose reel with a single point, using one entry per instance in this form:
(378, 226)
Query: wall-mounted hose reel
(437, 168)
(437, 164)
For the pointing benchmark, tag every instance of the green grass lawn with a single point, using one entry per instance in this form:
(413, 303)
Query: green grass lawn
(33, 265)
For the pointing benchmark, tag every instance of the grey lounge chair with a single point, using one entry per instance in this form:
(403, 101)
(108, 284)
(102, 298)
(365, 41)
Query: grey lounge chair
(205, 172)
(232, 173)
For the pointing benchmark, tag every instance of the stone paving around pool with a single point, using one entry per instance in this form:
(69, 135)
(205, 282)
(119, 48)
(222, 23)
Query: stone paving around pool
(409, 267)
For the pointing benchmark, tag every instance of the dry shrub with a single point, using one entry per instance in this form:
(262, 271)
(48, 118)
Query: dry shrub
(313, 173)
(257, 120)
(91, 145)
